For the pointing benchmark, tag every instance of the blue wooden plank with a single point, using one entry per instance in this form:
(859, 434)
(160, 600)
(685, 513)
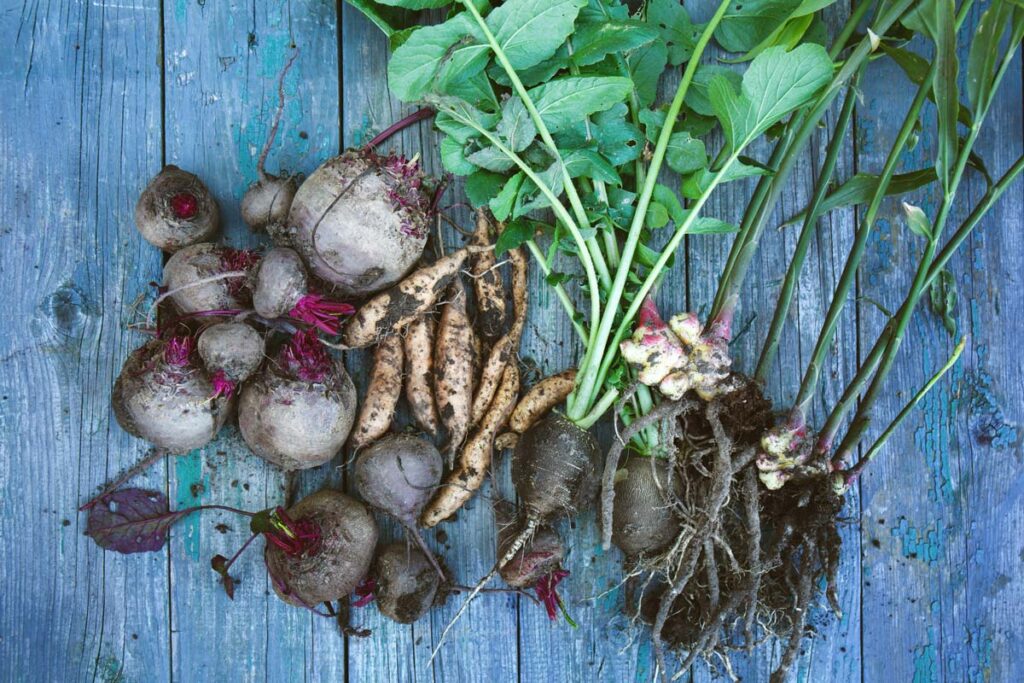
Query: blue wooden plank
(222, 62)
(79, 143)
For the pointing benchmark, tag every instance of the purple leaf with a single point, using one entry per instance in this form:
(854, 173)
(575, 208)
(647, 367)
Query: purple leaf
(132, 521)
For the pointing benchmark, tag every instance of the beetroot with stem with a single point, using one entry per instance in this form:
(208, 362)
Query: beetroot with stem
(281, 287)
(297, 412)
(176, 210)
(164, 396)
(398, 474)
(361, 220)
(406, 583)
(206, 277)
(231, 352)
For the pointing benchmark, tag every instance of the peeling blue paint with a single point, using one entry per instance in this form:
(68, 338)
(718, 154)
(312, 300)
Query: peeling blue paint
(925, 545)
(188, 470)
(926, 661)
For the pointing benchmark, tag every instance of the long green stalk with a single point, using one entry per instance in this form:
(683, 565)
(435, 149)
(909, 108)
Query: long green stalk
(560, 293)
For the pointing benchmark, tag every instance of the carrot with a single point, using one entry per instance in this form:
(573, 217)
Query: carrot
(382, 394)
(419, 372)
(491, 310)
(545, 395)
(396, 307)
(453, 366)
(468, 474)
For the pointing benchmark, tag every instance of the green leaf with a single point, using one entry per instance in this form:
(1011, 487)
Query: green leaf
(390, 20)
(453, 157)
(593, 42)
(698, 183)
(986, 49)
(646, 64)
(657, 216)
(490, 158)
(917, 221)
(673, 22)
(530, 196)
(944, 298)
(749, 22)
(670, 201)
(416, 4)
(483, 186)
(413, 66)
(555, 278)
(685, 154)
(860, 188)
(565, 101)
(916, 68)
(516, 126)
(538, 73)
(530, 31)
(776, 83)
(697, 95)
(514, 235)
(501, 205)
(708, 225)
(590, 164)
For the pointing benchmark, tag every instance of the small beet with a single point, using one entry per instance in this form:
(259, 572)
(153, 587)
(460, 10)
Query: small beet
(268, 201)
(280, 281)
(163, 396)
(341, 558)
(540, 555)
(176, 210)
(398, 474)
(207, 277)
(407, 584)
(234, 348)
(643, 522)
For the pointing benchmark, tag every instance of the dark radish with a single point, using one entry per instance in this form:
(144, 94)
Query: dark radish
(643, 519)
(298, 411)
(176, 210)
(164, 396)
(397, 475)
(406, 583)
(267, 201)
(231, 352)
(208, 277)
(279, 282)
(332, 539)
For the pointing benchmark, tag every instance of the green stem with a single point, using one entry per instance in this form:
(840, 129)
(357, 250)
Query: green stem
(851, 475)
(586, 386)
(560, 292)
(606, 402)
(809, 385)
(807, 232)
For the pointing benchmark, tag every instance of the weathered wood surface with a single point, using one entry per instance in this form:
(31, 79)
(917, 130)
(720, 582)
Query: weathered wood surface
(98, 94)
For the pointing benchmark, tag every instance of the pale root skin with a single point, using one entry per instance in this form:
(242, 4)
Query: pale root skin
(541, 398)
(393, 309)
(191, 265)
(268, 201)
(279, 282)
(505, 349)
(453, 366)
(235, 348)
(156, 220)
(419, 372)
(491, 309)
(398, 474)
(382, 394)
(472, 465)
(349, 538)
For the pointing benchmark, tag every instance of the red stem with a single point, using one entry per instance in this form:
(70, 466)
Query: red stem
(418, 115)
(262, 163)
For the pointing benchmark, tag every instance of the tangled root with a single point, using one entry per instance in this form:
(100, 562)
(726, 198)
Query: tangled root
(748, 562)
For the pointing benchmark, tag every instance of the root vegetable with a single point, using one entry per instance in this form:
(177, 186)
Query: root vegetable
(406, 583)
(361, 220)
(231, 352)
(487, 283)
(176, 210)
(540, 555)
(297, 412)
(453, 366)
(643, 520)
(541, 398)
(471, 467)
(395, 308)
(382, 395)
(163, 396)
(330, 568)
(419, 373)
(207, 277)
(279, 282)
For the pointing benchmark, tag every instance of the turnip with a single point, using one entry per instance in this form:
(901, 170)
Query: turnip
(231, 352)
(208, 277)
(297, 412)
(406, 583)
(326, 550)
(397, 475)
(644, 521)
(164, 396)
(176, 210)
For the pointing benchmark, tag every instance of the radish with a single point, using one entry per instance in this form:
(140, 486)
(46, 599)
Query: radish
(176, 210)
(231, 352)
(208, 277)
(165, 397)
(406, 584)
(297, 412)
(644, 521)
(326, 550)
(397, 475)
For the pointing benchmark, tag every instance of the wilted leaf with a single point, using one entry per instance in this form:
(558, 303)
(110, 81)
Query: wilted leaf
(132, 521)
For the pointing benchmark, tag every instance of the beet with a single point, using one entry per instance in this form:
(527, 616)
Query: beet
(176, 210)
(398, 474)
(643, 522)
(279, 282)
(406, 583)
(267, 201)
(233, 348)
(163, 396)
(207, 277)
(297, 412)
(361, 220)
(542, 553)
(332, 568)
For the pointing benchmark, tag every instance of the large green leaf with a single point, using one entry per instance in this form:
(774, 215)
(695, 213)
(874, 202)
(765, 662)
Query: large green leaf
(390, 20)
(453, 157)
(416, 4)
(516, 126)
(501, 205)
(530, 31)
(646, 64)
(413, 66)
(673, 22)
(593, 42)
(590, 164)
(697, 95)
(685, 154)
(565, 101)
(776, 83)
(749, 22)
